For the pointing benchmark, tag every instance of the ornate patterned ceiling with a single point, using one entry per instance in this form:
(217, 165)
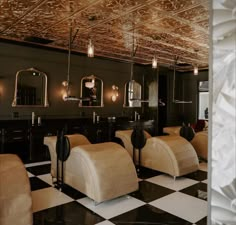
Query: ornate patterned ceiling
(165, 28)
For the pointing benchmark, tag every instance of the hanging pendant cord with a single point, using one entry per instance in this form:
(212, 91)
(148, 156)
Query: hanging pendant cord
(71, 40)
(133, 53)
(175, 61)
(69, 57)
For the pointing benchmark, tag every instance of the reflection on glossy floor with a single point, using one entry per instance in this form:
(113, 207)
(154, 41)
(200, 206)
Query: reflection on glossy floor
(159, 200)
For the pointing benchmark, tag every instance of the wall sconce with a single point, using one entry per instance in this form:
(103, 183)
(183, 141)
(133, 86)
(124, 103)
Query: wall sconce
(115, 93)
(195, 70)
(154, 62)
(90, 49)
(66, 90)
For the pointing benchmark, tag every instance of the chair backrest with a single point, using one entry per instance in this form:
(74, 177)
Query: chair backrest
(138, 138)
(187, 132)
(62, 147)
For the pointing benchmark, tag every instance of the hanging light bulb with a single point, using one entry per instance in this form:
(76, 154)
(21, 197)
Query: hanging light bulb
(90, 49)
(195, 70)
(154, 62)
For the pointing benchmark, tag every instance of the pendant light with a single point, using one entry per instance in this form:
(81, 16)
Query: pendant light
(90, 49)
(154, 62)
(132, 88)
(195, 70)
(66, 96)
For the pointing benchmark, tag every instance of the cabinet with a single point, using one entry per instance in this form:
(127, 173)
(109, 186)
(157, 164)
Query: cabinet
(95, 132)
(15, 139)
(19, 137)
(37, 150)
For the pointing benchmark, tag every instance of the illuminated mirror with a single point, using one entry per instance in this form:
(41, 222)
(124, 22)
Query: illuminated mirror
(203, 100)
(91, 92)
(132, 96)
(153, 94)
(30, 88)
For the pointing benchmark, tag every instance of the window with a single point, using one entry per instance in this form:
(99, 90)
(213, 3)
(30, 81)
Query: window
(203, 100)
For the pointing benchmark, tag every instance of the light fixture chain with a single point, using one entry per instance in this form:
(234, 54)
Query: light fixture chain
(71, 40)
(69, 59)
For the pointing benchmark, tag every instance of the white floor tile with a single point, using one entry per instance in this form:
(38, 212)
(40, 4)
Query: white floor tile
(47, 178)
(37, 163)
(30, 174)
(205, 181)
(182, 205)
(47, 198)
(106, 222)
(203, 166)
(112, 208)
(169, 182)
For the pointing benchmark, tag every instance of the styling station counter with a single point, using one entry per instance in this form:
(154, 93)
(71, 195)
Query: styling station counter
(21, 138)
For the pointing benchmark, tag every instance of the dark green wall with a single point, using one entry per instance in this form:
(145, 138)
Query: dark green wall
(54, 63)
(189, 84)
(14, 57)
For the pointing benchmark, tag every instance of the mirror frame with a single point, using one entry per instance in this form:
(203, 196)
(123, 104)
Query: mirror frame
(45, 100)
(200, 93)
(90, 77)
(137, 89)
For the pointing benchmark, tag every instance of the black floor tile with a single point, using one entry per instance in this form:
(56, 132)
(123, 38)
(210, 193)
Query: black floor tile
(73, 193)
(37, 184)
(39, 170)
(199, 175)
(202, 221)
(67, 214)
(198, 190)
(145, 173)
(148, 215)
(148, 191)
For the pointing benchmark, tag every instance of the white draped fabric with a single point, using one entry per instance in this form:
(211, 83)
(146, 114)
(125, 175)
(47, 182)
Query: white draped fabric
(223, 145)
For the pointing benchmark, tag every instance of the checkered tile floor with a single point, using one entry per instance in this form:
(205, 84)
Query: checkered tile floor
(160, 200)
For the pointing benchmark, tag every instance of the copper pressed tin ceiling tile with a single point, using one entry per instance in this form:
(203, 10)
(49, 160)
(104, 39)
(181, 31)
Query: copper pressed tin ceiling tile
(165, 28)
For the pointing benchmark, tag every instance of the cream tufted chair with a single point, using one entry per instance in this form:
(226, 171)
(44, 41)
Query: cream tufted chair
(101, 171)
(172, 130)
(15, 193)
(75, 140)
(169, 154)
(200, 144)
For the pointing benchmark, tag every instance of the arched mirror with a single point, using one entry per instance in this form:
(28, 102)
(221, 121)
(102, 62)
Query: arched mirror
(30, 89)
(91, 92)
(132, 96)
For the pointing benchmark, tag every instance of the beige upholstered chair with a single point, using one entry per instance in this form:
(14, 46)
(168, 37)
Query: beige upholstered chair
(75, 140)
(101, 171)
(15, 193)
(200, 144)
(172, 130)
(169, 154)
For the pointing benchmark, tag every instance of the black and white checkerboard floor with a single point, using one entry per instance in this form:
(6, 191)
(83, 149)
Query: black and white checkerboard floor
(160, 200)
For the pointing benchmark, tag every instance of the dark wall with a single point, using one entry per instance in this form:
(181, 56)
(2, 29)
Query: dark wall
(185, 89)
(14, 57)
(189, 83)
